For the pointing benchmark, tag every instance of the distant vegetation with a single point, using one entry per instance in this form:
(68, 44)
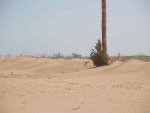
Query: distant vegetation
(125, 58)
(56, 55)
(75, 55)
(78, 56)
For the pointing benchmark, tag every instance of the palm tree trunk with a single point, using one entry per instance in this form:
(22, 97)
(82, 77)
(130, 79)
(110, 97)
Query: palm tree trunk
(104, 22)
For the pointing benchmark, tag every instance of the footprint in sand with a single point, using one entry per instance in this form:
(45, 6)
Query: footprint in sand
(76, 108)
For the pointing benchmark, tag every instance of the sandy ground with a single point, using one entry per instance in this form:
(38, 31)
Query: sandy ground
(37, 85)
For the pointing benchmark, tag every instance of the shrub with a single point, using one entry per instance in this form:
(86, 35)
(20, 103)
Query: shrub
(99, 56)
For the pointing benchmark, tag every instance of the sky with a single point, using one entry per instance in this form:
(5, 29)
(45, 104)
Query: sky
(73, 26)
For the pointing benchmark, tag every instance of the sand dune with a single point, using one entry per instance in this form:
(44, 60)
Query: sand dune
(43, 65)
(39, 85)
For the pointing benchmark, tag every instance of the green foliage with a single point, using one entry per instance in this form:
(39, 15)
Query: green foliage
(99, 56)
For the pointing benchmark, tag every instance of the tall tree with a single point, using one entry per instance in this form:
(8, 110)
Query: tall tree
(104, 22)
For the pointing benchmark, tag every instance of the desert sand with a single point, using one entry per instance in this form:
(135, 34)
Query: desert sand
(40, 85)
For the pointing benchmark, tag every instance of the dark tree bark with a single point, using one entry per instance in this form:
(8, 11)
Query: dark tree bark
(104, 23)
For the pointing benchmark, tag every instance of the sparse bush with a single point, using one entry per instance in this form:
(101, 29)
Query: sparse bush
(58, 56)
(99, 56)
(75, 55)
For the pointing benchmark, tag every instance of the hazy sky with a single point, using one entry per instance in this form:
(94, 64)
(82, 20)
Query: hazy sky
(68, 26)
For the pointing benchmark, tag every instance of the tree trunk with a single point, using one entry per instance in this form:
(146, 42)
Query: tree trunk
(104, 34)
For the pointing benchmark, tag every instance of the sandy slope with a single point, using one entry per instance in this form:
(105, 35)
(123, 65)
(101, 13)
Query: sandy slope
(42, 65)
(31, 85)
